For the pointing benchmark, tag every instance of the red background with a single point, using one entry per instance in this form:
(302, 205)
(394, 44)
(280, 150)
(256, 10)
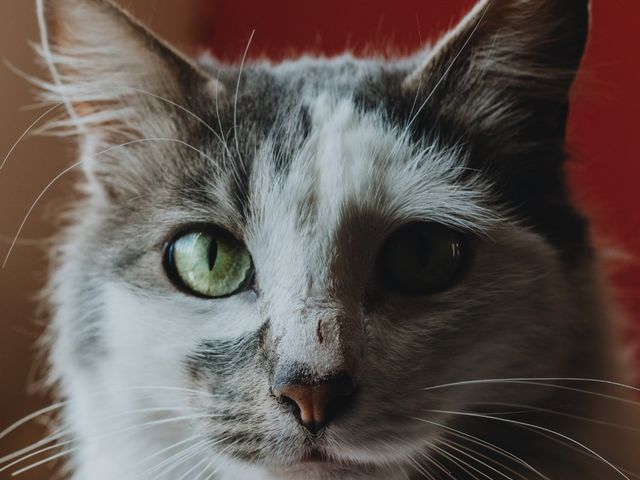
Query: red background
(603, 131)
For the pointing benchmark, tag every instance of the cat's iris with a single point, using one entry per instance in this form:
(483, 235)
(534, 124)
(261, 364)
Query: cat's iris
(208, 263)
(422, 258)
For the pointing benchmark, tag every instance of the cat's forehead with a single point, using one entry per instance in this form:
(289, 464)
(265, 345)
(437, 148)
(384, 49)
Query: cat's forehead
(347, 162)
(351, 156)
(301, 142)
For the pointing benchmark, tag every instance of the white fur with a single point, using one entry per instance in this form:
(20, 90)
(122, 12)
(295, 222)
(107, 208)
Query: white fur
(122, 338)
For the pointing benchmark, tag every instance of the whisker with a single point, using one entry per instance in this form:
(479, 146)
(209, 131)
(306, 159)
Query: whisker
(57, 445)
(483, 443)
(36, 445)
(576, 449)
(225, 136)
(211, 475)
(532, 409)
(543, 382)
(460, 463)
(420, 469)
(430, 460)
(222, 134)
(61, 433)
(415, 464)
(31, 416)
(43, 461)
(219, 454)
(415, 99)
(204, 471)
(475, 459)
(59, 405)
(24, 221)
(170, 447)
(188, 457)
(235, 101)
(35, 454)
(186, 474)
(77, 164)
(537, 427)
(185, 455)
(40, 84)
(487, 458)
(28, 242)
(448, 70)
(26, 132)
(135, 429)
(172, 461)
(218, 135)
(440, 466)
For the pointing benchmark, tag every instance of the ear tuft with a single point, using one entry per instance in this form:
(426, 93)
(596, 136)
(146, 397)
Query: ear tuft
(127, 93)
(505, 59)
(500, 83)
(102, 61)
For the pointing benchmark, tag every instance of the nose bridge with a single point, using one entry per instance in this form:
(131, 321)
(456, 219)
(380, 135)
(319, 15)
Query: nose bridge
(315, 361)
(318, 337)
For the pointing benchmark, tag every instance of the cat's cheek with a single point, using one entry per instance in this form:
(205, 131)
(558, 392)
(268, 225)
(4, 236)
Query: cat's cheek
(146, 340)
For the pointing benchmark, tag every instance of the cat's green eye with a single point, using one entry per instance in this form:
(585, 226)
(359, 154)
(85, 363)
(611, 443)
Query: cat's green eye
(208, 263)
(422, 258)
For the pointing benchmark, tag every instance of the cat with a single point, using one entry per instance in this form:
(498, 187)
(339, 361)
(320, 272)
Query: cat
(330, 268)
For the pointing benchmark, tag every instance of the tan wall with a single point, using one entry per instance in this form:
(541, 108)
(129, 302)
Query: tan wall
(32, 165)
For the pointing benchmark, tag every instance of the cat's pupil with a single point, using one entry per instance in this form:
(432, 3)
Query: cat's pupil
(213, 254)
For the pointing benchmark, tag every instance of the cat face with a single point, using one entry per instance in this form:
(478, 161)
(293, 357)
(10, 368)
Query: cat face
(379, 227)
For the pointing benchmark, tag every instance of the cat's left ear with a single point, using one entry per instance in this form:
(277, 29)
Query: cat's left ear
(109, 69)
(498, 85)
(504, 72)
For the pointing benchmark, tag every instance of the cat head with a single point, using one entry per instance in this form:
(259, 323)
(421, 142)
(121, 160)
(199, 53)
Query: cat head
(312, 245)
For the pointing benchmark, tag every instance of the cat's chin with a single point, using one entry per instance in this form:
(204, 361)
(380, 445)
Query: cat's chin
(314, 470)
(319, 467)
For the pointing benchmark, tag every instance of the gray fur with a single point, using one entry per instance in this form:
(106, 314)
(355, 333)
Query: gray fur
(313, 164)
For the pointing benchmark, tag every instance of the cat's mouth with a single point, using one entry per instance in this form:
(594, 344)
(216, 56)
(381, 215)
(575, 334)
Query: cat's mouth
(314, 462)
(318, 462)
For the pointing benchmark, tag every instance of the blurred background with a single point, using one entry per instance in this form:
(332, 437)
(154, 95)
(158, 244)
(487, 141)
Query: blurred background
(604, 131)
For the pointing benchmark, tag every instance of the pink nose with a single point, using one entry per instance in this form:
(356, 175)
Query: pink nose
(316, 404)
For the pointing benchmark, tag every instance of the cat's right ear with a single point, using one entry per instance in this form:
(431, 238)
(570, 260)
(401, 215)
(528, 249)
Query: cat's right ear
(127, 93)
(109, 70)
